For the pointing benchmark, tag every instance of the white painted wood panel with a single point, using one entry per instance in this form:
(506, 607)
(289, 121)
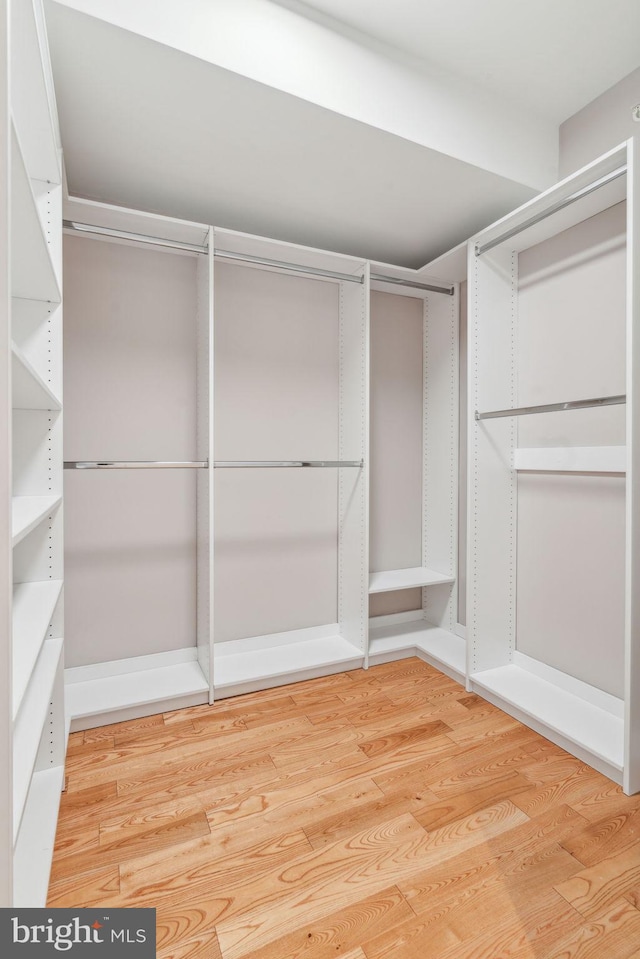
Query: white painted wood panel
(33, 608)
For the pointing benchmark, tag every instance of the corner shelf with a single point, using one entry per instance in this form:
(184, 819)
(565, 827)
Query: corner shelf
(28, 512)
(30, 724)
(30, 392)
(33, 607)
(434, 645)
(392, 579)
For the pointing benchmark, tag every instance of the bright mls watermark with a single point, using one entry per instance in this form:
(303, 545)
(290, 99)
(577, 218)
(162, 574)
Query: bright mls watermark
(79, 932)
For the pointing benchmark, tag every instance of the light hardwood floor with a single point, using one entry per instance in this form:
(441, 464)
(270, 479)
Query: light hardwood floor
(380, 814)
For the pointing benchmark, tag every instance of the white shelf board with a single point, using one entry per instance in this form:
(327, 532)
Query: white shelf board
(419, 638)
(33, 607)
(34, 846)
(29, 391)
(391, 579)
(28, 511)
(30, 724)
(110, 694)
(278, 664)
(33, 276)
(583, 724)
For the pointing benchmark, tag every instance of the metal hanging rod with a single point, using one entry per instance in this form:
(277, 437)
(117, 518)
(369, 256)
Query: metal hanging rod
(381, 277)
(203, 464)
(289, 267)
(204, 250)
(555, 407)
(560, 205)
(277, 464)
(137, 237)
(76, 227)
(136, 465)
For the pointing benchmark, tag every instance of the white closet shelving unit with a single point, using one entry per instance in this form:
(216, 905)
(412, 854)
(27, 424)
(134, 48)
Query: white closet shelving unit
(34, 718)
(414, 492)
(558, 689)
(291, 387)
(138, 373)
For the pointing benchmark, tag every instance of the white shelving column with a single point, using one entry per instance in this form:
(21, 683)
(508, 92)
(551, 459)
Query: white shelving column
(32, 567)
(430, 631)
(558, 699)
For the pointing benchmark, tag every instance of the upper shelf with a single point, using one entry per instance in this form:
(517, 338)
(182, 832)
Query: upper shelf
(30, 392)
(33, 276)
(391, 579)
(32, 98)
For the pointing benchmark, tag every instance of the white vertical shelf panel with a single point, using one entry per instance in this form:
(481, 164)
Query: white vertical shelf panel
(30, 722)
(29, 511)
(492, 483)
(205, 478)
(33, 608)
(30, 392)
(353, 488)
(632, 609)
(440, 452)
(33, 275)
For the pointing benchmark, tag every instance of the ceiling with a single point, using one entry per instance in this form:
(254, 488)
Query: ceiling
(555, 56)
(147, 126)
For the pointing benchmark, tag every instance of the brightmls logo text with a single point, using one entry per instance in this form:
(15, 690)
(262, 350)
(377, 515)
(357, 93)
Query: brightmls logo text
(47, 932)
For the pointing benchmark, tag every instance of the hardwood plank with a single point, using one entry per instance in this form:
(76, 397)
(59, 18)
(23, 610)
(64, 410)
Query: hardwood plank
(245, 744)
(96, 889)
(596, 889)
(379, 746)
(121, 829)
(606, 799)
(340, 932)
(578, 784)
(440, 812)
(114, 850)
(127, 726)
(195, 870)
(348, 870)
(608, 837)
(204, 946)
(614, 934)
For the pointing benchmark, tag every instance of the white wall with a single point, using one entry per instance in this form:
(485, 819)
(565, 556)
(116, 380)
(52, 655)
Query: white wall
(600, 126)
(350, 75)
(395, 509)
(130, 392)
(571, 528)
(276, 398)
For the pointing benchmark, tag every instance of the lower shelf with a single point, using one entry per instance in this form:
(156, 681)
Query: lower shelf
(584, 729)
(34, 848)
(247, 666)
(434, 645)
(115, 693)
